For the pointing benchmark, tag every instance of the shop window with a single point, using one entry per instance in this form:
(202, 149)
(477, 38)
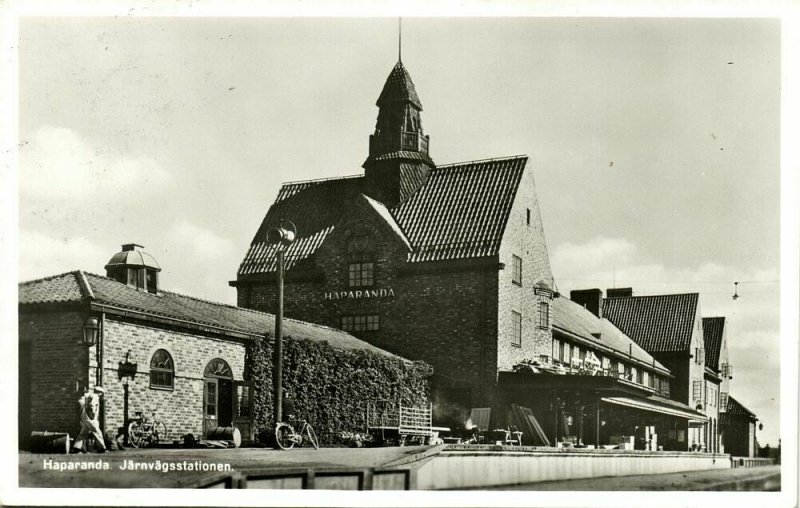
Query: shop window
(162, 370)
(516, 337)
(544, 315)
(361, 323)
(516, 270)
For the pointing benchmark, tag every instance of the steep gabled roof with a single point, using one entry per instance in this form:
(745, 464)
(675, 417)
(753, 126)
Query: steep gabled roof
(736, 408)
(399, 88)
(659, 323)
(712, 340)
(80, 286)
(461, 211)
(572, 318)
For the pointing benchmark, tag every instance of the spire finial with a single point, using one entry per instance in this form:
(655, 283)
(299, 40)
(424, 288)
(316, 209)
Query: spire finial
(399, 39)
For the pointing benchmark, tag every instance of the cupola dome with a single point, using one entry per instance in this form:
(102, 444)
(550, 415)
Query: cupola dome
(134, 267)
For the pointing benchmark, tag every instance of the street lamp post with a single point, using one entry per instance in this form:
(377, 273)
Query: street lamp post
(281, 236)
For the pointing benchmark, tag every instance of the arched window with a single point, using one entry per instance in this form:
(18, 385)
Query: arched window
(361, 262)
(218, 368)
(162, 370)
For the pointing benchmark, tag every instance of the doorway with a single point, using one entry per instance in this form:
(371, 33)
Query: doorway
(217, 395)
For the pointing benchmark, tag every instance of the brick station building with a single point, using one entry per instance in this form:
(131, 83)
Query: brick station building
(442, 263)
(189, 353)
(449, 264)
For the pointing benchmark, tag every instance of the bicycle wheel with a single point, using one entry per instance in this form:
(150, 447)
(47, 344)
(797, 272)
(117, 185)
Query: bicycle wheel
(136, 434)
(312, 436)
(284, 436)
(159, 432)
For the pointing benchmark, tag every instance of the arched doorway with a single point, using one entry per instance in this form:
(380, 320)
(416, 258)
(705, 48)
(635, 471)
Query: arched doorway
(217, 395)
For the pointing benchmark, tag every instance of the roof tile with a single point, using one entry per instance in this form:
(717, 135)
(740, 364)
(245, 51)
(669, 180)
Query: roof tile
(712, 339)
(166, 304)
(657, 323)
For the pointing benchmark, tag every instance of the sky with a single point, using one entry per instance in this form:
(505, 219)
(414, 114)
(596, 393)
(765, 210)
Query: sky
(655, 145)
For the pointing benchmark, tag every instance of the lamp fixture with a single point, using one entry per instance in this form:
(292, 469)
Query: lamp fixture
(91, 331)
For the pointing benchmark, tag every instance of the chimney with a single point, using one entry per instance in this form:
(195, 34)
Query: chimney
(619, 292)
(589, 298)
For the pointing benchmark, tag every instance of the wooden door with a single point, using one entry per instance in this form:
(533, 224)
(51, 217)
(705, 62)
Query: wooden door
(243, 409)
(210, 405)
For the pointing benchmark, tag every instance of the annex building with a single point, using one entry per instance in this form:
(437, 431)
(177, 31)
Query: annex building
(152, 350)
(449, 264)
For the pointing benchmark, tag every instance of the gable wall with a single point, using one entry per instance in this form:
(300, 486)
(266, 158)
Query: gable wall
(527, 242)
(445, 317)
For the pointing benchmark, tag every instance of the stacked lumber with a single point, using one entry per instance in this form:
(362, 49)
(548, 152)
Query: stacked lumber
(532, 433)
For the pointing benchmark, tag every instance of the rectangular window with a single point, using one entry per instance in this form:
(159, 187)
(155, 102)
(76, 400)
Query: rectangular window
(365, 323)
(544, 315)
(699, 355)
(556, 349)
(581, 355)
(361, 274)
(516, 270)
(640, 376)
(516, 337)
(723, 402)
(697, 390)
(561, 351)
(528, 216)
(628, 373)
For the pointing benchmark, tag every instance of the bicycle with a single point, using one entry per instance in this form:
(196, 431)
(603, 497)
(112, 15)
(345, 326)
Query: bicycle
(143, 432)
(286, 437)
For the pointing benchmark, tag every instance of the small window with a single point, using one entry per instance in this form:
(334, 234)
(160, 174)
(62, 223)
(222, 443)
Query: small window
(697, 390)
(152, 281)
(516, 270)
(361, 274)
(516, 337)
(700, 356)
(528, 216)
(162, 370)
(364, 323)
(544, 315)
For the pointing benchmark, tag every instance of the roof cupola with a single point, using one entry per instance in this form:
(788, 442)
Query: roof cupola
(134, 267)
(398, 161)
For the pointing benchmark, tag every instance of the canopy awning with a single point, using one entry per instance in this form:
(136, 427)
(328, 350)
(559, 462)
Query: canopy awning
(648, 405)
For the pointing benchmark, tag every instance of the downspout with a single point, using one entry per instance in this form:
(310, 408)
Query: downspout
(99, 375)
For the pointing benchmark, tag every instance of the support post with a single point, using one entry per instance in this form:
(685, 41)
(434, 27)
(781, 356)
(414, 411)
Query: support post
(278, 355)
(597, 425)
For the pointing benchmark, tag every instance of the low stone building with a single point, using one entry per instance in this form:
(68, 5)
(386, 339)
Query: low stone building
(178, 356)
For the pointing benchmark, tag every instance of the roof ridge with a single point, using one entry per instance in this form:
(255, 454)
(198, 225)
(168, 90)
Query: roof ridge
(649, 296)
(493, 159)
(83, 283)
(49, 277)
(212, 302)
(319, 180)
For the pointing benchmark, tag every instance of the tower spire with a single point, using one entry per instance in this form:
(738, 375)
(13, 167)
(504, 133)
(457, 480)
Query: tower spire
(399, 39)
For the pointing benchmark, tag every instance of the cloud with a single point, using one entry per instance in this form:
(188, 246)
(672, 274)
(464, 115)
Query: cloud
(58, 166)
(42, 255)
(192, 260)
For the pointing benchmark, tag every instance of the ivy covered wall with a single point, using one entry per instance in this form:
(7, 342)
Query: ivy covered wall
(331, 387)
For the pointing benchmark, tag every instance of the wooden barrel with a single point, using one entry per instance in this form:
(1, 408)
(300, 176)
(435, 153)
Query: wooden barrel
(231, 434)
(49, 442)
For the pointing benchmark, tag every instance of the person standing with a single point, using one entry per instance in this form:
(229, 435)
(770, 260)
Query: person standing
(90, 425)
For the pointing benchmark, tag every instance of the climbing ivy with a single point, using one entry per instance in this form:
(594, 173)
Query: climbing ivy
(331, 387)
